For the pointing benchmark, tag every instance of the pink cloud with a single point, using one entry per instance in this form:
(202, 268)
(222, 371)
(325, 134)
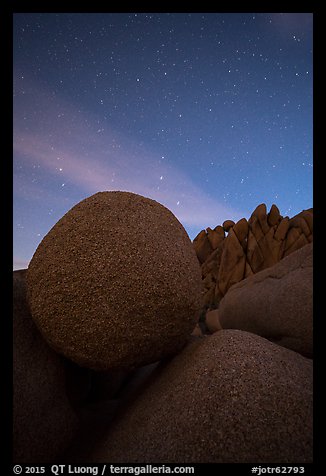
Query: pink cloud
(120, 171)
(20, 263)
(97, 159)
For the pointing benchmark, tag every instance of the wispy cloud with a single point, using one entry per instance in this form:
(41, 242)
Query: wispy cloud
(123, 170)
(94, 158)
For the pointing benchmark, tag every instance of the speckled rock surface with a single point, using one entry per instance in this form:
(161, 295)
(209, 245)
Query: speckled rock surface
(44, 422)
(115, 283)
(275, 303)
(232, 397)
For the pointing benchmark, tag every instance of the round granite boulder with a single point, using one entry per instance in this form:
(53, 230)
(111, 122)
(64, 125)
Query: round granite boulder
(115, 283)
(232, 397)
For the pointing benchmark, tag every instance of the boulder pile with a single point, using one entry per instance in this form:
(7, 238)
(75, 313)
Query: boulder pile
(234, 251)
(113, 364)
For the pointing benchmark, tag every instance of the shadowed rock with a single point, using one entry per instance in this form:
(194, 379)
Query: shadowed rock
(202, 246)
(215, 237)
(44, 421)
(212, 321)
(233, 263)
(227, 224)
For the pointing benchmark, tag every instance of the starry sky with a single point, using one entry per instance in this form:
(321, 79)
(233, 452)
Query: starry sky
(208, 113)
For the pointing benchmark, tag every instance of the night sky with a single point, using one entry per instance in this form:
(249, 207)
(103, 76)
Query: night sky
(209, 114)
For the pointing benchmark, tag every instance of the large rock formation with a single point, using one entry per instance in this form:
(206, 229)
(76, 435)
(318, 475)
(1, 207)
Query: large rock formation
(275, 303)
(249, 247)
(44, 421)
(232, 397)
(115, 283)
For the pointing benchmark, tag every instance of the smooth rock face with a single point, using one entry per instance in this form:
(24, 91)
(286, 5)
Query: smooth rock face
(232, 397)
(115, 283)
(275, 303)
(44, 422)
(212, 321)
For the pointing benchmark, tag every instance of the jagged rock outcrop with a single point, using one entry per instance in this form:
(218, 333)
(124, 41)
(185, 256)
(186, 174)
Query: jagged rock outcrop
(249, 247)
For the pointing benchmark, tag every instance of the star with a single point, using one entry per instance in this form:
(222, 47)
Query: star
(100, 98)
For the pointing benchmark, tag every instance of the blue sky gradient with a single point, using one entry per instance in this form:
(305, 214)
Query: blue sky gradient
(209, 114)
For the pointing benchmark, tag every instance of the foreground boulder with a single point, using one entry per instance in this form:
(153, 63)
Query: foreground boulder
(115, 283)
(44, 421)
(275, 303)
(232, 397)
